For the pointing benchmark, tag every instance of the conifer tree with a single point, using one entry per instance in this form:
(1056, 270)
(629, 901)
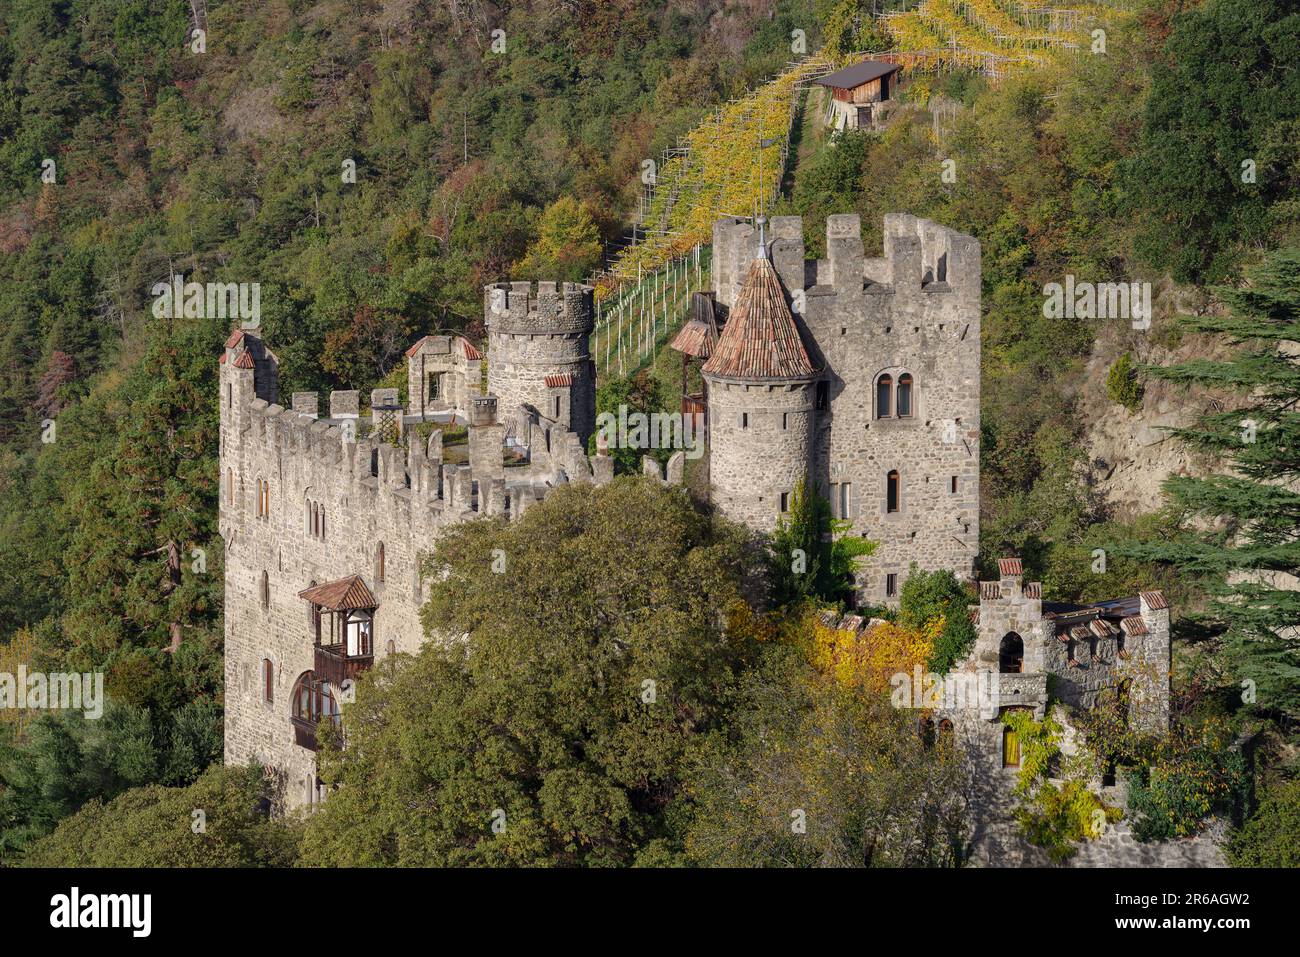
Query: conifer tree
(1251, 551)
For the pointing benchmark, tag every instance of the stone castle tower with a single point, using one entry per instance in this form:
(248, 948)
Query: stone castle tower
(860, 374)
(541, 367)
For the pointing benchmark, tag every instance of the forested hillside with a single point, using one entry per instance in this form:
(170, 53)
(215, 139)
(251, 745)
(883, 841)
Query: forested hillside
(372, 165)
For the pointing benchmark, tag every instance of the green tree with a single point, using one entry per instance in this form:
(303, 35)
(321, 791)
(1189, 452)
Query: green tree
(810, 774)
(1271, 836)
(221, 820)
(567, 247)
(1217, 170)
(1251, 506)
(554, 728)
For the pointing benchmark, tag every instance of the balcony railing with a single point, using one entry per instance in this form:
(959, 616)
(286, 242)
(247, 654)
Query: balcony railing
(335, 665)
(304, 733)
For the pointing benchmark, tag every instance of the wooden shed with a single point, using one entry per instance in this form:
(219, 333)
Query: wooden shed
(856, 92)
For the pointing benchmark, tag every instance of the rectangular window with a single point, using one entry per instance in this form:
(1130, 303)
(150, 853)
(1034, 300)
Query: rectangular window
(891, 585)
(744, 420)
(268, 681)
(891, 491)
(846, 500)
(836, 511)
(785, 502)
(785, 421)
(952, 485)
(823, 396)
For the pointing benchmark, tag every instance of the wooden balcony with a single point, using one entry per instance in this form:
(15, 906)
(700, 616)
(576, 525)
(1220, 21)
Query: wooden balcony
(694, 405)
(335, 665)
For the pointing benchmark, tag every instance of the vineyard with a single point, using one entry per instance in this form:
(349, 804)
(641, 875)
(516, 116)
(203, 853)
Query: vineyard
(731, 164)
(992, 37)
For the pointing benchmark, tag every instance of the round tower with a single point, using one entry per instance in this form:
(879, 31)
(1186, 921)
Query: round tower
(539, 356)
(762, 392)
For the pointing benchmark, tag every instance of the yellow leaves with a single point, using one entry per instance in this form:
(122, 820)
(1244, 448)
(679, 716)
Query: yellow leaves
(868, 659)
(18, 651)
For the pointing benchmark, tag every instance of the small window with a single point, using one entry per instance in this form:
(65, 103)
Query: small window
(785, 421)
(379, 562)
(392, 647)
(891, 491)
(904, 402)
(884, 392)
(846, 500)
(268, 681)
(952, 485)
(744, 420)
(785, 502)
(891, 585)
(823, 396)
(557, 408)
(265, 590)
(835, 501)
(230, 486)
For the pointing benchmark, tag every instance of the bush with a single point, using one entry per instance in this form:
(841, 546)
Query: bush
(1271, 837)
(1122, 383)
(1193, 775)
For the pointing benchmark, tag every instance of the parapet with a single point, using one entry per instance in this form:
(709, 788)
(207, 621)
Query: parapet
(542, 308)
(918, 254)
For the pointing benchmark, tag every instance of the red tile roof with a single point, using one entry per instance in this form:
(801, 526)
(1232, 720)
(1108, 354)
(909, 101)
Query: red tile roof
(1009, 566)
(244, 360)
(1134, 626)
(235, 336)
(1154, 599)
(760, 339)
(990, 590)
(694, 339)
(561, 381)
(1032, 590)
(468, 348)
(346, 593)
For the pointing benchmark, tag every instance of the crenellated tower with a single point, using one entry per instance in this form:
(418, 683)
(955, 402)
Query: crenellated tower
(539, 359)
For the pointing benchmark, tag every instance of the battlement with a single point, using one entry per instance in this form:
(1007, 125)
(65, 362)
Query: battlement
(541, 308)
(919, 255)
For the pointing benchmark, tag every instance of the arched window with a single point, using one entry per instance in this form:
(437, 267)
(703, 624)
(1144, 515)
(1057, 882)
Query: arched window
(392, 647)
(313, 699)
(268, 681)
(884, 393)
(379, 562)
(892, 490)
(265, 590)
(1011, 654)
(322, 523)
(903, 402)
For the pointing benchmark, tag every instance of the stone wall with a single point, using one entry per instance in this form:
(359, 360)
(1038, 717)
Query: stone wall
(914, 311)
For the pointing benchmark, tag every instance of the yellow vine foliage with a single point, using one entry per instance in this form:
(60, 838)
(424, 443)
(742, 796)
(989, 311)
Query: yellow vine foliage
(865, 660)
(19, 650)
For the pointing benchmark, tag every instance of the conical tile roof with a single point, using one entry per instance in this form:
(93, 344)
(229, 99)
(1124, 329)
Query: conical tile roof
(760, 339)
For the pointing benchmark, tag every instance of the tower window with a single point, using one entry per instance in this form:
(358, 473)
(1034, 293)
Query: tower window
(952, 485)
(904, 402)
(891, 585)
(379, 562)
(1010, 748)
(785, 421)
(823, 396)
(884, 393)
(891, 491)
(265, 590)
(268, 681)
(744, 420)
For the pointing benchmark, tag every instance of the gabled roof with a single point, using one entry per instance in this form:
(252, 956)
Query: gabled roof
(346, 593)
(700, 333)
(244, 360)
(1154, 599)
(1009, 566)
(235, 336)
(760, 339)
(859, 73)
(466, 347)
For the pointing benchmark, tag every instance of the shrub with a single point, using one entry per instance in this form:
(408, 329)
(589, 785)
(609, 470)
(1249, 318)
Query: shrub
(1122, 383)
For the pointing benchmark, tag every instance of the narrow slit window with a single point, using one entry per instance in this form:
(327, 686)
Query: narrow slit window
(891, 491)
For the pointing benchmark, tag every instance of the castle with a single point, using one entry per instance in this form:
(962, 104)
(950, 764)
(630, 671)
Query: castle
(861, 375)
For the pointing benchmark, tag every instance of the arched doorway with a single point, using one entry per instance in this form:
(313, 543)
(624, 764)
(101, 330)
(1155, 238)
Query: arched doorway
(1011, 654)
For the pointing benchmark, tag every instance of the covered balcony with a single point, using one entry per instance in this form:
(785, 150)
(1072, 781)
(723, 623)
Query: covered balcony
(342, 617)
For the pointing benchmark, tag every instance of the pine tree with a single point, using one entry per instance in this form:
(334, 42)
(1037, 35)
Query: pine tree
(1252, 506)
